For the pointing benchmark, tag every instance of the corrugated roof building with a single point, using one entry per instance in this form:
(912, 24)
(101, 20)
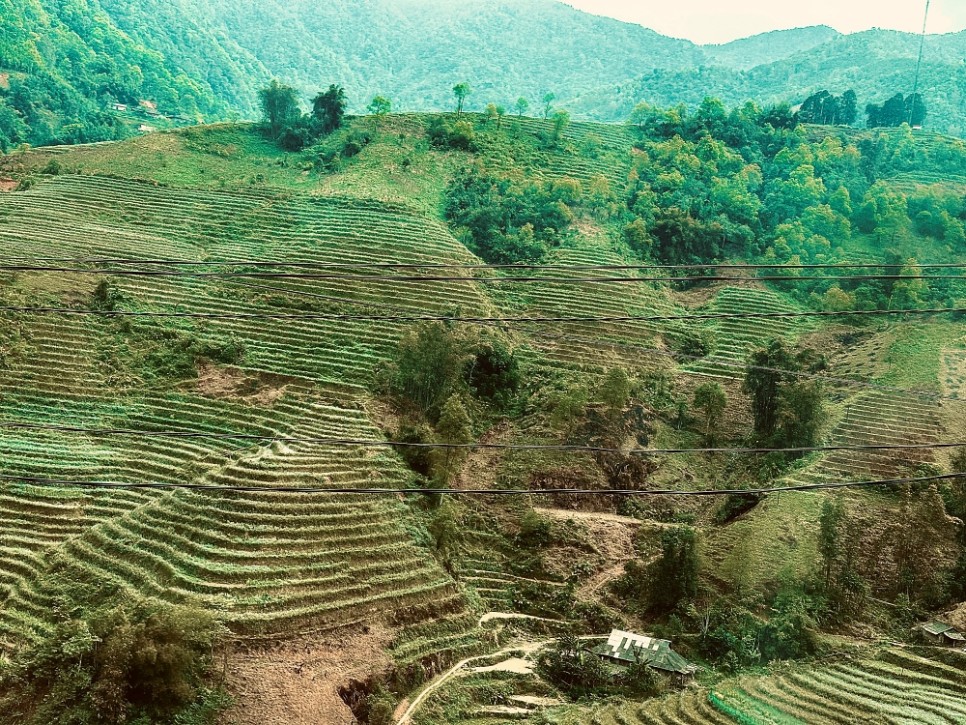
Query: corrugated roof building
(627, 648)
(942, 633)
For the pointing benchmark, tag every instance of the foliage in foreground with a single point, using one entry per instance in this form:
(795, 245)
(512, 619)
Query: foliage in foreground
(132, 662)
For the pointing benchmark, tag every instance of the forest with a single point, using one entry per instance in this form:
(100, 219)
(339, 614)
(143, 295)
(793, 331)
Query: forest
(96, 53)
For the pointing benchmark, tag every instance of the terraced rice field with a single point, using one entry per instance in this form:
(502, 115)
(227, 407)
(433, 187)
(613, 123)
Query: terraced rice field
(267, 562)
(894, 687)
(736, 338)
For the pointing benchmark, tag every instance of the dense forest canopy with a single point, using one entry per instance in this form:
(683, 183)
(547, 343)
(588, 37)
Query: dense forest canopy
(207, 59)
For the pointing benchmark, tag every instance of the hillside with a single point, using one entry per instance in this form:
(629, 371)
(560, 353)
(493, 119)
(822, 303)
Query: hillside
(748, 53)
(275, 355)
(208, 59)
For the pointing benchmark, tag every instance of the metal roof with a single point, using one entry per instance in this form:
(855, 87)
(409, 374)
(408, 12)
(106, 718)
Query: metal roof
(936, 627)
(630, 648)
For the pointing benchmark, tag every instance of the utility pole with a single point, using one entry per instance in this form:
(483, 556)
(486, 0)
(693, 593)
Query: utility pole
(922, 48)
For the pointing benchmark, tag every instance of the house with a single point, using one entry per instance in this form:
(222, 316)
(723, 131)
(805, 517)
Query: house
(626, 648)
(144, 128)
(149, 107)
(942, 634)
(118, 106)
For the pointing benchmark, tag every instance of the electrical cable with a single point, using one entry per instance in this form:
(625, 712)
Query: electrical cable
(804, 487)
(369, 443)
(476, 320)
(415, 279)
(437, 265)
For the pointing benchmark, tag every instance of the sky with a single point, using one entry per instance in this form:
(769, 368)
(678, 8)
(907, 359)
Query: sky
(719, 21)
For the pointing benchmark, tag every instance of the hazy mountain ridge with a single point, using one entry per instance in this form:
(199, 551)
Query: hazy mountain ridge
(756, 50)
(209, 57)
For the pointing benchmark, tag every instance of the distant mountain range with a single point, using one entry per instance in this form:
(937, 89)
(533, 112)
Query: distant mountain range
(209, 57)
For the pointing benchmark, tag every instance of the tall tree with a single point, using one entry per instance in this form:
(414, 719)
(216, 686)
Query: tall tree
(548, 100)
(915, 110)
(561, 120)
(380, 106)
(829, 539)
(522, 106)
(763, 379)
(280, 106)
(674, 576)
(453, 429)
(328, 108)
(461, 91)
(849, 109)
(710, 399)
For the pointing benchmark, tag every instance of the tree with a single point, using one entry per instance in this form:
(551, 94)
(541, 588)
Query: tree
(710, 399)
(909, 293)
(548, 100)
(454, 429)
(428, 367)
(561, 119)
(800, 414)
(461, 91)
(447, 533)
(763, 378)
(328, 109)
(380, 106)
(615, 391)
(522, 106)
(915, 110)
(500, 113)
(829, 538)
(280, 106)
(849, 109)
(674, 576)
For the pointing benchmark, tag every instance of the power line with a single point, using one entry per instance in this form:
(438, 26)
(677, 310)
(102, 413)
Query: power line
(348, 317)
(805, 487)
(409, 279)
(437, 265)
(922, 50)
(369, 443)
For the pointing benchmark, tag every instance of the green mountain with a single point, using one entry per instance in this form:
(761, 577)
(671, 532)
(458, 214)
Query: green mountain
(748, 53)
(67, 61)
(876, 64)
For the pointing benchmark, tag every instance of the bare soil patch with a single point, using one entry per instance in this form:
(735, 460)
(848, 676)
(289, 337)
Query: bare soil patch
(217, 381)
(5, 81)
(297, 682)
(7, 185)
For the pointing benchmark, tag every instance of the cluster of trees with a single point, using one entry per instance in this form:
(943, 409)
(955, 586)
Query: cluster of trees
(897, 110)
(787, 409)
(294, 130)
(713, 184)
(907, 562)
(825, 109)
(443, 378)
(506, 220)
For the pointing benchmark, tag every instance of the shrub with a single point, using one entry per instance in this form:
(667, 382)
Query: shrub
(459, 136)
(124, 662)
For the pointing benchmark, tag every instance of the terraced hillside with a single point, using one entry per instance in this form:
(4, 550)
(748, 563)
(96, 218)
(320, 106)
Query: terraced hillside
(894, 685)
(267, 563)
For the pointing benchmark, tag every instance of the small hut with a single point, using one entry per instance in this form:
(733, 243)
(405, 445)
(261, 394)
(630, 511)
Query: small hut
(627, 648)
(942, 634)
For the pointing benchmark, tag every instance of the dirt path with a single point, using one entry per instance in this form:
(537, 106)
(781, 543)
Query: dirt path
(518, 664)
(590, 516)
(453, 671)
(297, 682)
(491, 616)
